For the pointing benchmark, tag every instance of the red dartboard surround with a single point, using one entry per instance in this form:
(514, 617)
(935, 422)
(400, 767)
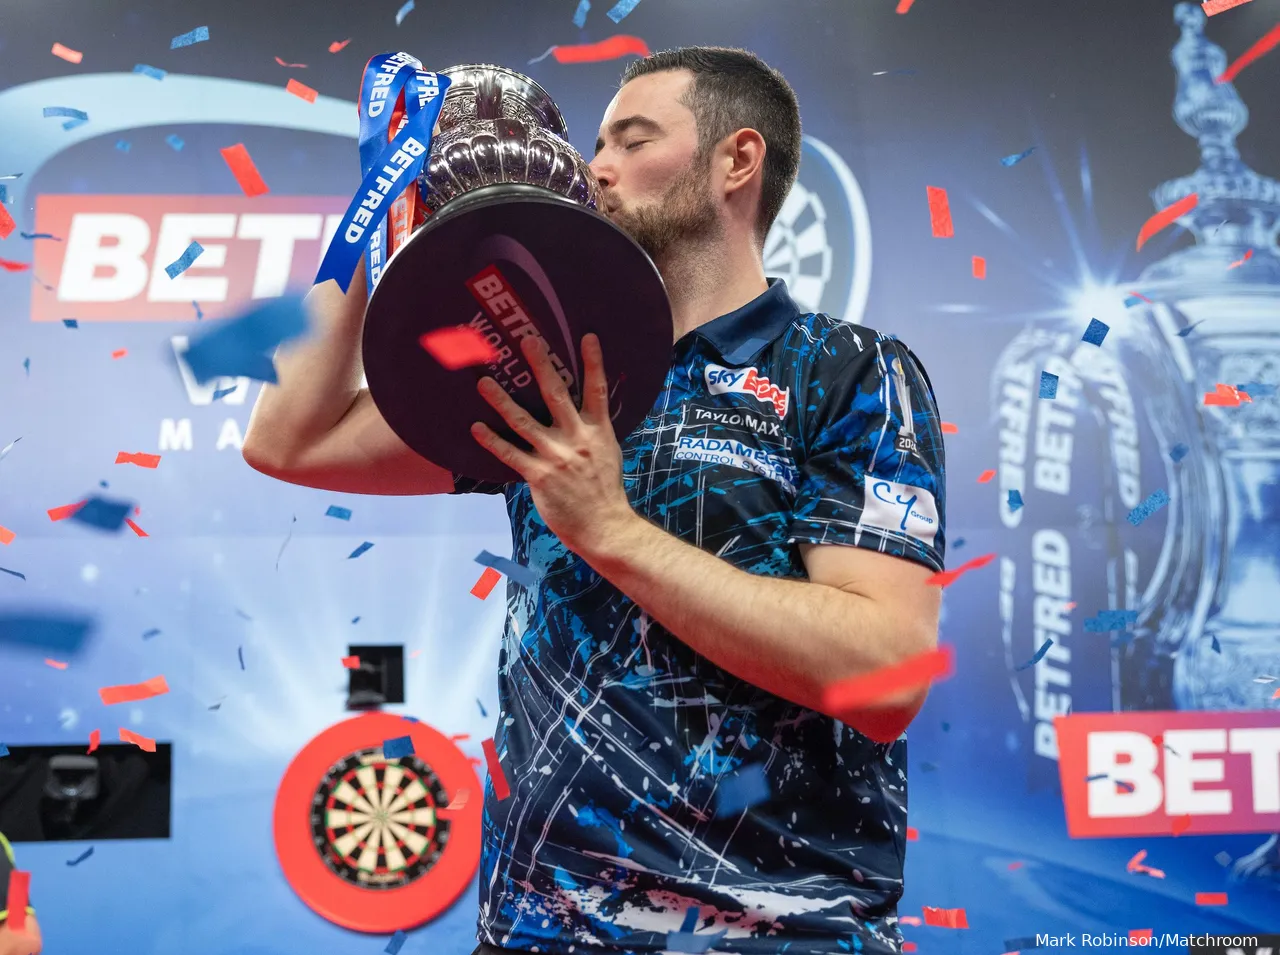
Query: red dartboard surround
(364, 840)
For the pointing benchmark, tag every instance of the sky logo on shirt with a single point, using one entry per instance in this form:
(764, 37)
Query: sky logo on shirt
(747, 381)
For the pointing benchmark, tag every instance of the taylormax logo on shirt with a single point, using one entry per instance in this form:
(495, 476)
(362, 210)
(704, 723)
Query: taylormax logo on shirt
(901, 508)
(747, 381)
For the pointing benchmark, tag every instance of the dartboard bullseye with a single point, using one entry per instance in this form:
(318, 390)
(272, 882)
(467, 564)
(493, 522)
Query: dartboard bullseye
(377, 844)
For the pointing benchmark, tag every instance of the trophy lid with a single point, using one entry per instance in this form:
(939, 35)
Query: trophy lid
(486, 91)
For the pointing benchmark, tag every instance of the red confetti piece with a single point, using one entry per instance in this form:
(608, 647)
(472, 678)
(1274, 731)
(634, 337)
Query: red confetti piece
(909, 920)
(908, 946)
(609, 49)
(68, 54)
(1165, 218)
(1211, 898)
(351, 663)
(337, 45)
(1225, 396)
(10, 266)
(301, 90)
(1138, 934)
(945, 918)
(246, 173)
(1247, 256)
(56, 664)
(120, 353)
(132, 692)
(940, 213)
(979, 267)
(94, 739)
(904, 5)
(1181, 824)
(484, 586)
(913, 834)
(139, 458)
(142, 742)
(19, 889)
(945, 578)
(1015, 865)
(869, 688)
(1214, 7)
(986, 476)
(949, 428)
(1069, 606)
(7, 225)
(135, 528)
(65, 511)
(292, 66)
(6, 535)
(500, 787)
(459, 346)
(1270, 40)
(1141, 296)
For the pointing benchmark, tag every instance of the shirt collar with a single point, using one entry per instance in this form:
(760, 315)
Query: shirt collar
(742, 333)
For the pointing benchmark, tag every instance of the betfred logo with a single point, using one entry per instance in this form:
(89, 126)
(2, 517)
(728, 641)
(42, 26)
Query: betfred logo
(110, 265)
(746, 381)
(1180, 773)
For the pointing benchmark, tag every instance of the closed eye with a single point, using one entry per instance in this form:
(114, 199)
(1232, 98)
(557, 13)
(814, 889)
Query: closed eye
(633, 145)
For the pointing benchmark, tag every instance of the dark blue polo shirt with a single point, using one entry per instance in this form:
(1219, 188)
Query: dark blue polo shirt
(774, 427)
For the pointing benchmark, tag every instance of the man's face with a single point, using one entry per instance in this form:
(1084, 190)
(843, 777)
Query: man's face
(656, 187)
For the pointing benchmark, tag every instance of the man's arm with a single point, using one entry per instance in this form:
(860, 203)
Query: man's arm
(860, 611)
(318, 427)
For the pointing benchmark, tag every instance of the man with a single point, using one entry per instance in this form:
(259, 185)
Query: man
(768, 530)
(24, 941)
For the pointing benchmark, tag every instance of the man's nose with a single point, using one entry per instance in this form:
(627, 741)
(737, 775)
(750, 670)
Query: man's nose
(604, 175)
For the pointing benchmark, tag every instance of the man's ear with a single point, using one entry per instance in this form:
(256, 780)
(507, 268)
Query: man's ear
(744, 155)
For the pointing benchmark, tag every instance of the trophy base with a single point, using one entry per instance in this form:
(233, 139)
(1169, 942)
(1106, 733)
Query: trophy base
(511, 260)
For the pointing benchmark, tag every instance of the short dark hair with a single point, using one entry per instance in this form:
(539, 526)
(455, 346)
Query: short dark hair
(734, 89)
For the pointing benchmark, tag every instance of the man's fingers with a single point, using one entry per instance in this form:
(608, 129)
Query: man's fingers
(521, 422)
(595, 386)
(554, 393)
(503, 450)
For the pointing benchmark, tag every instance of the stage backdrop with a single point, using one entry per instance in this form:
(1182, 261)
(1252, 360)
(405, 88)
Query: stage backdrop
(242, 593)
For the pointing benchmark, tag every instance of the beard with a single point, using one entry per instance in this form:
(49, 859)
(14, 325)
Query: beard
(684, 214)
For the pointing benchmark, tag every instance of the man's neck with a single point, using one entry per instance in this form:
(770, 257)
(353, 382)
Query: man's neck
(709, 281)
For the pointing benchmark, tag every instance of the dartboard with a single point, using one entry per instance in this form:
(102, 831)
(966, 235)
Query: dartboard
(375, 820)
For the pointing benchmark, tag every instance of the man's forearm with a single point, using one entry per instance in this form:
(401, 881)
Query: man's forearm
(790, 637)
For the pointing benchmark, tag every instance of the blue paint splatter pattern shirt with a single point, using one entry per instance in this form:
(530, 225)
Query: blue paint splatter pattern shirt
(773, 428)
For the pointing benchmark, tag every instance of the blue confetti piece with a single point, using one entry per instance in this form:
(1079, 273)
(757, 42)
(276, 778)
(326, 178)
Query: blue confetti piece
(223, 392)
(1048, 385)
(1153, 503)
(341, 513)
(122, 145)
(580, 16)
(1131, 300)
(240, 653)
(103, 513)
(1087, 779)
(45, 632)
(1126, 786)
(1044, 648)
(104, 484)
(81, 857)
(70, 323)
(175, 141)
(686, 941)
(183, 262)
(1178, 452)
(1015, 500)
(1184, 332)
(1256, 389)
(241, 346)
(411, 719)
(198, 35)
(946, 727)
(403, 12)
(620, 10)
(355, 619)
(14, 573)
(153, 632)
(66, 111)
(73, 123)
(1108, 620)
(736, 793)
(396, 943)
(241, 613)
(1096, 332)
(26, 364)
(4, 750)
(481, 705)
(151, 71)
(959, 542)
(522, 575)
(39, 235)
(398, 747)
(199, 314)
(1217, 647)
(359, 550)
(1013, 160)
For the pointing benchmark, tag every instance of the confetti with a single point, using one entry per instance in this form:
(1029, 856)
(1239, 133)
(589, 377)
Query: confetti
(151, 71)
(65, 511)
(1178, 452)
(986, 476)
(4, 750)
(6, 536)
(292, 66)
(81, 857)
(142, 742)
(359, 550)
(500, 787)
(1184, 332)
(39, 235)
(241, 346)
(199, 314)
(138, 458)
(610, 49)
(301, 90)
(1269, 41)
(153, 632)
(103, 513)
(77, 115)
(351, 663)
(404, 11)
(458, 347)
(1166, 217)
(913, 834)
(949, 428)
(198, 35)
(1136, 935)
(868, 688)
(979, 267)
(355, 619)
(1153, 503)
(522, 575)
(63, 635)
(1015, 500)
(1181, 824)
(95, 737)
(68, 54)
(1048, 385)
(1096, 332)
(1235, 265)
(619, 11)
(10, 266)
(946, 577)
(287, 537)
(484, 586)
(7, 225)
(337, 45)
(1108, 620)
(246, 173)
(240, 654)
(1223, 858)
(1044, 648)
(183, 262)
(122, 145)
(1016, 158)
(945, 918)
(396, 943)
(56, 664)
(398, 747)
(1211, 898)
(135, 528)
(940, 213)
(342, 514)
(748, 788)
(904, 5)
(1257, 389)
(1135, 864)
(223, 392)
(133, 692)
(580, 15)
(7, 448)
(175, 142)
(19, 889)
(1225, 396)
(686, 940)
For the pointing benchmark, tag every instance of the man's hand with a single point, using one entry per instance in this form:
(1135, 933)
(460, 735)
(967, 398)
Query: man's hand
(26, 942)
(575, 472)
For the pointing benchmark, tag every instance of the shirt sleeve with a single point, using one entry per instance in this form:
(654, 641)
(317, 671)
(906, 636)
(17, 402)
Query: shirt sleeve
(7, 865)
(463, 485)
(874, 472)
